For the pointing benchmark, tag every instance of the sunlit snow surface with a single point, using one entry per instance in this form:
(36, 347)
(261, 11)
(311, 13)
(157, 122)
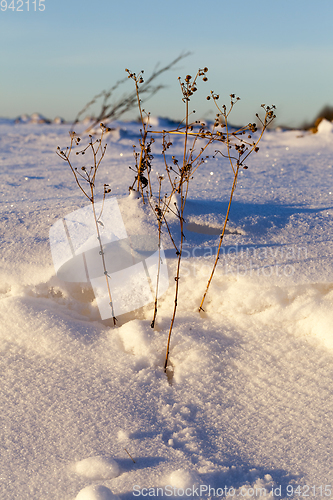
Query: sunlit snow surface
(250, 403)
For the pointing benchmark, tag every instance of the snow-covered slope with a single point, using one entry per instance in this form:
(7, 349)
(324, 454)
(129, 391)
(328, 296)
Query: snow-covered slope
(86, 408)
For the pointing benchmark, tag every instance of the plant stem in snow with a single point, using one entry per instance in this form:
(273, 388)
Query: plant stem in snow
(88, 175)
(243, 153)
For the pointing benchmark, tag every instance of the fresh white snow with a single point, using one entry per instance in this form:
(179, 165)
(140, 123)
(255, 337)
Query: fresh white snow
(87, 412)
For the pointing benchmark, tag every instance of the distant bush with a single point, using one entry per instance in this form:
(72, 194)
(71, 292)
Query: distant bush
(326, 113)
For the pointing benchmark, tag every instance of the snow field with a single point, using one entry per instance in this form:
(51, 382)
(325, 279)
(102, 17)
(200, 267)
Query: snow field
(249, 403)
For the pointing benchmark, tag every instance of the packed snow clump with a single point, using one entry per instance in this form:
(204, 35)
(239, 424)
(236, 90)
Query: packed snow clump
(325, 127)
(97, 468)
(96, 492)
(135, 338)
(183, 479)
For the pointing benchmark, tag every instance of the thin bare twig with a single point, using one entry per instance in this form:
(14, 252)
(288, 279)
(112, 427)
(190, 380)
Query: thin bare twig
(115, 109)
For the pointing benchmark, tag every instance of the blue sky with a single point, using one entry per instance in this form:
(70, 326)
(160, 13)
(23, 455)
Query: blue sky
(54, 61)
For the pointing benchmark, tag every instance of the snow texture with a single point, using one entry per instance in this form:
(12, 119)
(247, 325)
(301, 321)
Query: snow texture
(96, 492)
(97, 468)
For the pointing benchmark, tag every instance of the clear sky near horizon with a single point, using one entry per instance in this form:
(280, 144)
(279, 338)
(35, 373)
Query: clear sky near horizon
(274, 52)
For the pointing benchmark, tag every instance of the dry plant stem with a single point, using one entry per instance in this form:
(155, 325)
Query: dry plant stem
(180, 251)
(221, 237)
(269, 117)
(157, 279)
(143, 139)
(160, 209)
(159, 220)
(181, 220)
(143, 152)
(170, 235)
(130, 456)
(176, 295)
(101, 252)
(226, 217)
(144, 156)
(113, 110)
(185, 174)
(89, 176)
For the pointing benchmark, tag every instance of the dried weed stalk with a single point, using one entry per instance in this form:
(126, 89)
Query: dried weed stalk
(235, 145)
(144, 158)
(113, 110)
(238, 150)
(181, 172)
(85, 178)
(160, 207)
(197, 136)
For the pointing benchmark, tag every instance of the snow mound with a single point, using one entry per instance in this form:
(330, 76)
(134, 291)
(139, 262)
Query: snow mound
(135, 195)
(58, 120)
(35, 118)
(97, 468)
(135, 338)
(325, 127)
(183, 479)
(161, 123)
(261, 487)
(123, 436)
(175, 203)
(119, 133)
(23, 119)
(96, 492)
(305, 309)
